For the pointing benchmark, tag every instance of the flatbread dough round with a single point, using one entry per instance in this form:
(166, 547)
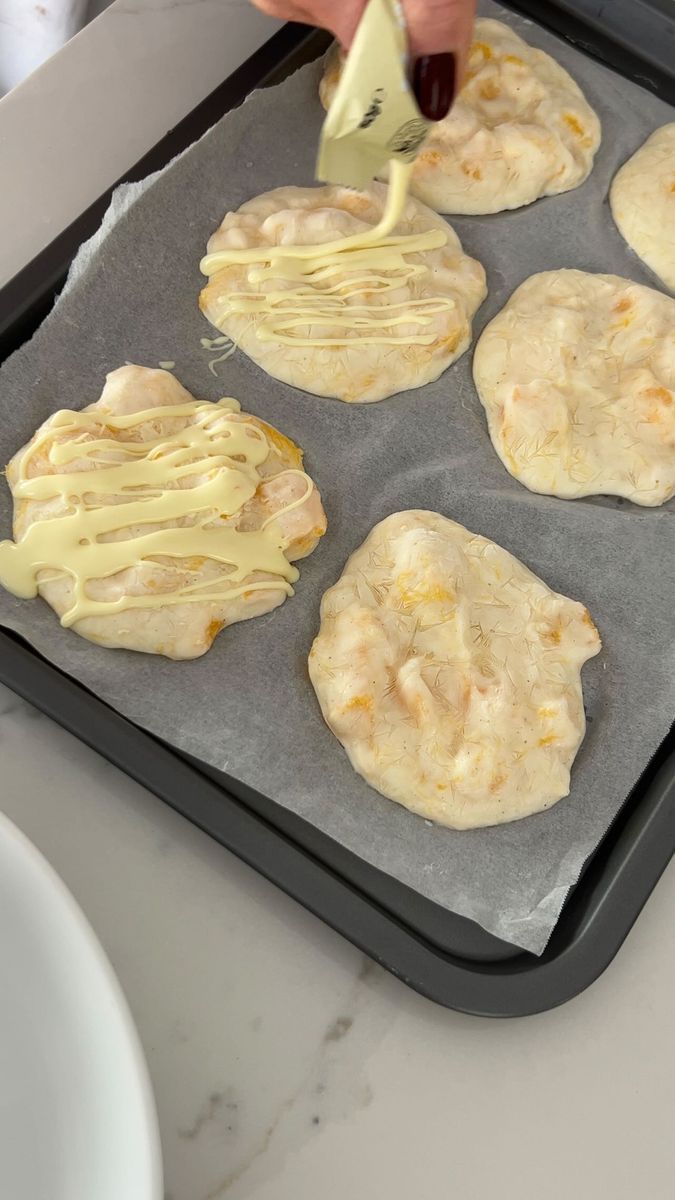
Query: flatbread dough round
(577, 377)
(177, 628)
(358, 371)
(519, 129)
(642, 199)
(451, 674)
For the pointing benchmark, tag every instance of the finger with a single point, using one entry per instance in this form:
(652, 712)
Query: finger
(439, 27)
(340, 18)
(286, 10)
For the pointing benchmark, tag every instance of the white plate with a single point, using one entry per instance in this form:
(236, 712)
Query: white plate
(77, 1116)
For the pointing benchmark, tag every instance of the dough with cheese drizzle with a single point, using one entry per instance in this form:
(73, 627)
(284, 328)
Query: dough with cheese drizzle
(151, 520)
(577, 378)
(642, 198)
(519, 129)
(359, 322)
(451, 674)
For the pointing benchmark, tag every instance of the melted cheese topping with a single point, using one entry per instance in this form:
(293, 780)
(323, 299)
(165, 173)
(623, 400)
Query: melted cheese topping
(312, 284)
(311, 292)
(642, 199)
(451, 674)
(121, 495)
(577, 378)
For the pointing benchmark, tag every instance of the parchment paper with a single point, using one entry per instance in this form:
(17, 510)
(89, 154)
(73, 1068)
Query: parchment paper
(247, 707)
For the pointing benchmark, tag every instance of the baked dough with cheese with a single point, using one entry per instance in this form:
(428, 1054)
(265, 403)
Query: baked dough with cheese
(520, 128)
(642, 199)
(451, 674)
(356, 324)
(150, 520)
(577, 378)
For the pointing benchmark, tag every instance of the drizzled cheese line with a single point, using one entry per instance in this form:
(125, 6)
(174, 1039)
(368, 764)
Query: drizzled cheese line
(309, 297)
(111, 511)
(212, 344)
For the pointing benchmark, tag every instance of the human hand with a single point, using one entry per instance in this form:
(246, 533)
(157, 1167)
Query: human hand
(439, 34)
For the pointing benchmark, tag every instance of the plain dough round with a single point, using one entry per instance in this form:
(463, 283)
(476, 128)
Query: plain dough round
(356, 373)
(451, 674)
(642, 198)
(519, 129)
(577, 377)
(176, 630)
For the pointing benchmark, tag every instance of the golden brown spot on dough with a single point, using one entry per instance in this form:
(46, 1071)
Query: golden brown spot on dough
(195, 563)
(441, 787)
(549, 740)
(497, 782)
(213, 628)
(472, 171)
(482, 49)
(513, 58)
(574, 124)
(430, 158)
(355, 203)
(286, 448)
(489, 90)
(434, 593)
(660, 394)
(439, 595)
(451, 342)
(623, 305)
(545, 712)
(553, 636)
(588, 620)
(363, 703)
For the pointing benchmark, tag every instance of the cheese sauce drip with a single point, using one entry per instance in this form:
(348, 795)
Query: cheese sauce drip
(117, 515)
(314, 294)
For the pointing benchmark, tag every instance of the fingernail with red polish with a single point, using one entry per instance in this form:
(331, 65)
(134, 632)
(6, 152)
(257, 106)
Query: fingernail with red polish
(434, 84)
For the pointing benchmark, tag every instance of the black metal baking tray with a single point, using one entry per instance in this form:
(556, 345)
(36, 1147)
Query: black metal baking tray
(444, 956)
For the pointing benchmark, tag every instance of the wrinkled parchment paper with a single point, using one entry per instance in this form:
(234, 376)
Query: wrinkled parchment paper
(247, 707)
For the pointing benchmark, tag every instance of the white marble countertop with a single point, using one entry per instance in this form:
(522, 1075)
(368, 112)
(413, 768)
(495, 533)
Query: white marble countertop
(75, 125)
(285, 1065)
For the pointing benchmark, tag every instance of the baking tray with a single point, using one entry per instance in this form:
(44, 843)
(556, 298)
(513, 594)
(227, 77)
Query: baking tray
(447, 957)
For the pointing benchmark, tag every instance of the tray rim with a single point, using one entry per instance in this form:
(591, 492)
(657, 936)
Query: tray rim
(643, 845)
(473, 983)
